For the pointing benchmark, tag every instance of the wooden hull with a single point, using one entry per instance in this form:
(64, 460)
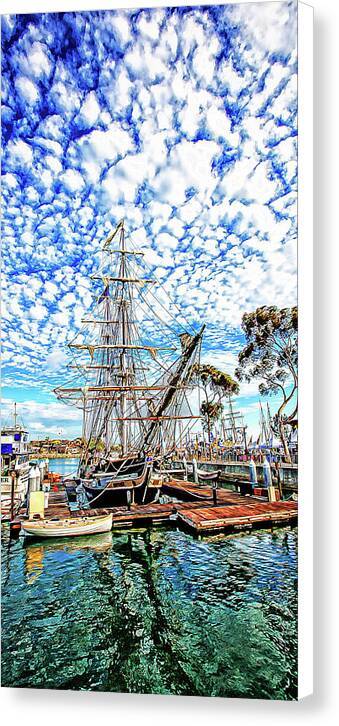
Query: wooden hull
(126, 466)
(108, 492)
(118, 497)
(70, 527)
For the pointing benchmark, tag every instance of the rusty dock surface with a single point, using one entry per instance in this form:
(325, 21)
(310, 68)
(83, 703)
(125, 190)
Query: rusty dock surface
(196, 510)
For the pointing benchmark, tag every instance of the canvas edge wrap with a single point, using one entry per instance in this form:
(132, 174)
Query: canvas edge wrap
(305, 304)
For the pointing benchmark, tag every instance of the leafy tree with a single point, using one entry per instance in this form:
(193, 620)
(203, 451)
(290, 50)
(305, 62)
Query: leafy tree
(271, 356)
(97, 445)
(216, 386)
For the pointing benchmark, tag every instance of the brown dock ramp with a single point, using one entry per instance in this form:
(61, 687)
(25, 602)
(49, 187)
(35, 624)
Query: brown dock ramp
(242, 516)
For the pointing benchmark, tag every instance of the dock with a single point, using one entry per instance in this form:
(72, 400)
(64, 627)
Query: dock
(210, 520)
(188, 491)
(236, 473)
(195, 510)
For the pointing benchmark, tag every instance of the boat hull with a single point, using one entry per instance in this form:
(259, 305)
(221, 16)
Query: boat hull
(119, 497)
(208, 475)
(70, 527)
(106, 491)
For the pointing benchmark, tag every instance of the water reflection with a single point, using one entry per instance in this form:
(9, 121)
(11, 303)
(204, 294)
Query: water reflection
(36, 550)
(153, 611)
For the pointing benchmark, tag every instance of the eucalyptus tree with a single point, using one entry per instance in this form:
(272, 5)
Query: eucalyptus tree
(271, 356)
(216, 385)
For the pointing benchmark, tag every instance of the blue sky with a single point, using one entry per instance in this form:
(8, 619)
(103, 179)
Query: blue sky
(182, 121)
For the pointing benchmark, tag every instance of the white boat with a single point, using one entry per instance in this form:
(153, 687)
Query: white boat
(70, 527)
(14, 465)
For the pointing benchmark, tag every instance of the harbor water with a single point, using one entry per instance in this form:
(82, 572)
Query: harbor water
(65, 467)
(152, 611)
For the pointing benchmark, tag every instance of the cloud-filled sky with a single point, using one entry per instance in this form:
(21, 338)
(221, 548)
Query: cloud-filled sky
(180, 120)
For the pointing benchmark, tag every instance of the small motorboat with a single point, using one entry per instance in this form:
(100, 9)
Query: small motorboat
(69, 527)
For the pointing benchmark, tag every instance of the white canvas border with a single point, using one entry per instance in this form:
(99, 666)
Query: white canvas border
(305, 304)
(305, 301)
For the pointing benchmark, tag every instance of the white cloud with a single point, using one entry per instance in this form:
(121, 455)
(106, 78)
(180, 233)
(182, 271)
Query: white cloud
(35, 62)
(9, 180)
(53, 164)
(65, 98)
(121, 26)
(90, 110)
(189, 165)
(106, 145)
(204, 62)
(38, 312)
(27, 90)
(20, 152)
(72, 180)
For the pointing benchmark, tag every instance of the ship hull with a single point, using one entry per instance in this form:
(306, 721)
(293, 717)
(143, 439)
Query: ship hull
(108, 492)
(118, 497)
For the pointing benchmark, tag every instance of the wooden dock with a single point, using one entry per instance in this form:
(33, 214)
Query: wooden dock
(199, 513)
(190, 492)
(58, 505)
(209, 520)
(236, 473)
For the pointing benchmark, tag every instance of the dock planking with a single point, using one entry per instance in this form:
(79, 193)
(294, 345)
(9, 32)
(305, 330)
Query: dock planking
(248, 516)
(231, 512)
(196, 492)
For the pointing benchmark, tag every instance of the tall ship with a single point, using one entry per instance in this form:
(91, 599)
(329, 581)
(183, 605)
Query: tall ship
(133, 367)
(14, 463)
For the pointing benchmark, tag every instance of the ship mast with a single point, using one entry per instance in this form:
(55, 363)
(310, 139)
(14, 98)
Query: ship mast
(263, 426)
(121, 402)
(124, 324)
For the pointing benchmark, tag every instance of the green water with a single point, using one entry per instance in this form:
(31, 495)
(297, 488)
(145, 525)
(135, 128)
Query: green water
(153, 612)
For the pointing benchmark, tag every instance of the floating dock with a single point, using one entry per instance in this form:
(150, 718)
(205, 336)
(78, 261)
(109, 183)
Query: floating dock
(237, 474)
(209, 520)
(197, 510)
(190, 492)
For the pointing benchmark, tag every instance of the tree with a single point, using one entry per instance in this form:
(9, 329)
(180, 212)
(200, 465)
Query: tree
(216, 385)
(271, 355)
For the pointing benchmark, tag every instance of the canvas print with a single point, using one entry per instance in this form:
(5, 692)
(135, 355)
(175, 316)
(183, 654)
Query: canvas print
(149, 439)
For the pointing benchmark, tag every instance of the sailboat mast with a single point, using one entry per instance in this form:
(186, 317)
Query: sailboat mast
(263, 426)
(124, 374)
(232, 420)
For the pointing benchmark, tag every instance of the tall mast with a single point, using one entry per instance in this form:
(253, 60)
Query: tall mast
(263, 426)
(232, 420)
(128, 398)
(184, 362)
(124, 374)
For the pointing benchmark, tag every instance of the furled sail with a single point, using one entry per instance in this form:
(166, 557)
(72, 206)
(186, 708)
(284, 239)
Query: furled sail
(132, 370)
